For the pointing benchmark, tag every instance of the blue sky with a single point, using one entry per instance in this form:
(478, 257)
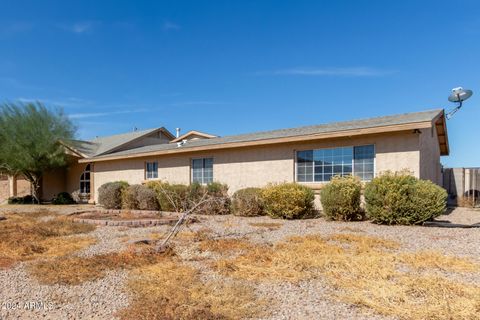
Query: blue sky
(229, 67)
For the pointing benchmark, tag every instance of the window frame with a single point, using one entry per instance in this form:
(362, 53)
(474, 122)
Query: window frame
(154, 172)
(85, 181)
(203, 170)
(353, 162)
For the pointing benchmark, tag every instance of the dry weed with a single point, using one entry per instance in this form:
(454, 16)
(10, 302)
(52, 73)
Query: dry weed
(365, 272)
(172, 290)
(76, 270)
(28, 236)
(425, 260)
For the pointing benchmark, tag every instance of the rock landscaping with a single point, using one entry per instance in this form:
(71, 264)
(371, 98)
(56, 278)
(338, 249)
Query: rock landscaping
(233, 267)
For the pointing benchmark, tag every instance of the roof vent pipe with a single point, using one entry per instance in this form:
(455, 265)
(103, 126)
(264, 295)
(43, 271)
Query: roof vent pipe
(178, 132)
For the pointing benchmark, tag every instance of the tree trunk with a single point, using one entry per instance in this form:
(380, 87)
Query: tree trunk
(34, 179)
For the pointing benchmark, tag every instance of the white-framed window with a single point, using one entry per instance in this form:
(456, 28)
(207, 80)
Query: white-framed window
(321, 165)
(202, 170)
(85, 180)
(151, 170)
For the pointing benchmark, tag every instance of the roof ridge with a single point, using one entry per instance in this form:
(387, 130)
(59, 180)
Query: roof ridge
(125, 133)
(331, 123)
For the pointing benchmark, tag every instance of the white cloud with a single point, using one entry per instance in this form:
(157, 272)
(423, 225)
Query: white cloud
(66, 102)
(331, 71)
(167, 25)
(81, 27)
(103, 114)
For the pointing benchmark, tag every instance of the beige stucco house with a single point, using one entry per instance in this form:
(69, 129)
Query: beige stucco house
(309, 155)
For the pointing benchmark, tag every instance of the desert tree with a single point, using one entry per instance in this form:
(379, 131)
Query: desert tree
(30, 141)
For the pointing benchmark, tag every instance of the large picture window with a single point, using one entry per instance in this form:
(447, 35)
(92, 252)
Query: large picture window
(202, 170)
(151, 170)
(322, 164)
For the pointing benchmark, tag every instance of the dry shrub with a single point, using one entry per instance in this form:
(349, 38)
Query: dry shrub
(76, 270)
(218, 199)
(139, 197)
(341, 198)
(171, 197)
(365, 271)
(288, 200)
(268, 225)
(23, 237)
(400, 198)
(248, 202)
(110, 194)
(172, 290)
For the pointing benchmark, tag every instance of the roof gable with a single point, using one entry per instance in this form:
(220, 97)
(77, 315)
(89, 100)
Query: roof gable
(194, 134)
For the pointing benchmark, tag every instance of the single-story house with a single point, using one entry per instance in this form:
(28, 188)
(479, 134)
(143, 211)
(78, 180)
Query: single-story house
(308, 155)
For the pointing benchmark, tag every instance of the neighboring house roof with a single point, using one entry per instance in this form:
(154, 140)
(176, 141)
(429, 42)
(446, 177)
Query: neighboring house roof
(193, 133)
(108, 144)
(400, 122)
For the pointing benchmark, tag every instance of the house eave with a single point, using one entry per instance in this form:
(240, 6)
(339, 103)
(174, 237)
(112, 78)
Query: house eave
(290, 139)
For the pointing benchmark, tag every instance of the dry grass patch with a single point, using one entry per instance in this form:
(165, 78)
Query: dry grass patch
(31, 235)
(269, 225)
(172, 290)
(364, 271)
(363, 242)
(425, 260)
(76, 270)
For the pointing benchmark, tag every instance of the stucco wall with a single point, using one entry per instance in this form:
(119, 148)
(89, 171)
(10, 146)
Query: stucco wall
(244, 167)
(62, 180)
(53, 182)
(430, 167)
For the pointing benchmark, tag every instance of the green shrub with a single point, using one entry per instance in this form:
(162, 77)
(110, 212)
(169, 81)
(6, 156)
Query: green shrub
(139, 197)
(63, 198)
(248, 202)
(170, 197)
(28, 199)
(400, 198)
(110, 194)
(288, 200)
(341, 198)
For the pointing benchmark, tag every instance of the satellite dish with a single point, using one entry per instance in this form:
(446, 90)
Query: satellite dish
(458, 96)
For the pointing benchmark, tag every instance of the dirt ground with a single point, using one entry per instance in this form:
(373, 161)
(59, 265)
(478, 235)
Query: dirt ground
(233, 268)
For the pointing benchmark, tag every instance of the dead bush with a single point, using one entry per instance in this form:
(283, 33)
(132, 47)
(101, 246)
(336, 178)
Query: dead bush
(248, 202)
(139, 197)
(110, 194)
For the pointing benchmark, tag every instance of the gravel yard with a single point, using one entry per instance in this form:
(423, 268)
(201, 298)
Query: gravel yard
(23, 297)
